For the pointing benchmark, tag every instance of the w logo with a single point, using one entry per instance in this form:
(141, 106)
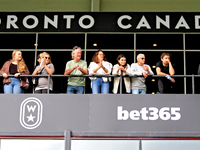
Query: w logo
(31, 113)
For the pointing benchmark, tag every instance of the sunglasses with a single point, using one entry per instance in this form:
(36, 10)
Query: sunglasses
(47, 57)
(142, 58)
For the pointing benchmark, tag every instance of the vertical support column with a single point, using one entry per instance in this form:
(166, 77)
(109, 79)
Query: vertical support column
(67, 140)
(140, 145)
(36, 45)
(120, 84)
(135, 48)
(184, 64)
(48, 84)
(193, 87)
(85, 46)
(95, 5)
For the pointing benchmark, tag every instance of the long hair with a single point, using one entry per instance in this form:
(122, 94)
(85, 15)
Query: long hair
(119, 57)
(95, 56)
(20, 64)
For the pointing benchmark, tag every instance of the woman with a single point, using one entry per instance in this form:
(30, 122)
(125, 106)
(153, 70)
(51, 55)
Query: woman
(100, 66)
(16, 66)
(45, 67)
(121, 68)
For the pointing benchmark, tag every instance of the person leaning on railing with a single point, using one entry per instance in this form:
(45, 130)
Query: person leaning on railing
(167, 68)
(140, 69)
(45, 67)
(121, 68)
(16, 66)
(100, 66)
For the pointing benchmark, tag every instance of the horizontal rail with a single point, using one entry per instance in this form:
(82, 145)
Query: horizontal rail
(156, 76)
(131, 76)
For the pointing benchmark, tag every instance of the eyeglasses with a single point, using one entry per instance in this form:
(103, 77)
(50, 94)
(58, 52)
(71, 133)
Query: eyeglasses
(47, 57)
(142, 58)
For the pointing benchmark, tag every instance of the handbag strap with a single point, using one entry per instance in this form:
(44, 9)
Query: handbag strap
(41, 70)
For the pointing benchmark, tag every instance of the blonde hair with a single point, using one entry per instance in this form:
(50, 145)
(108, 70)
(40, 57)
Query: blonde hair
(42, 55)
(20, 64)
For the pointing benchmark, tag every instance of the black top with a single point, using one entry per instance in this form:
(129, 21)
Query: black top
(163, 68)
(13, 68)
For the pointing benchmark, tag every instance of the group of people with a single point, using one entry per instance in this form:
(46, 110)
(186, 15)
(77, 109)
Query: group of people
(100, 67)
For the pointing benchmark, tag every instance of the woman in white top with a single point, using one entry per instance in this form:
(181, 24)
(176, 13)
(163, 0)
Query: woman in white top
(100, 66)
(121, 68)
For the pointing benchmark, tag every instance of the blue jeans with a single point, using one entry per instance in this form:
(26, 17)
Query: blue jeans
(13, 86)
(99, 85)
(75, 89)
(138, 91)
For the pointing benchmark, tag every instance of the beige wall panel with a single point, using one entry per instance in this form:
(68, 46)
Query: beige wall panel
(100, 5)
(45, 5)
(150, 5)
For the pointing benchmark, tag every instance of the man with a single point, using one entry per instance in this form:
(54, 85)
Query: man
(139, 68)
(76, 67)
(166, 68)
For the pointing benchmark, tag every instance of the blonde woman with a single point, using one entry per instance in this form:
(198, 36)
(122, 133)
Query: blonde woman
(16, 66)
(45, 67)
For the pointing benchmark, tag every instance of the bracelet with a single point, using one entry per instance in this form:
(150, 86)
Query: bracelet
(145, 72)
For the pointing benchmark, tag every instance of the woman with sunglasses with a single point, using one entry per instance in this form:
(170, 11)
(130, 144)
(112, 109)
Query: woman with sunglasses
(45, 67)
(16, 66)
(121, 68)
(100, 66)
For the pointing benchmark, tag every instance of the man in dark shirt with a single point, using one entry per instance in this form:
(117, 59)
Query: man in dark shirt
(166, 68)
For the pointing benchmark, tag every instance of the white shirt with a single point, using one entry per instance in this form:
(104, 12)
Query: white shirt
(94, 65)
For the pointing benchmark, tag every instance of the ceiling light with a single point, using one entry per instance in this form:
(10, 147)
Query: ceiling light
(154, 66)
(155, 45)
(95, 44)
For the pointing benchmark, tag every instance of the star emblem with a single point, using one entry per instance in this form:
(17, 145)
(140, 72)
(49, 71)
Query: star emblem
(30, 118)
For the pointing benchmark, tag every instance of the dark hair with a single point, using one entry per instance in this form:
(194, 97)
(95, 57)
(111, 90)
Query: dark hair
(119, 57)
(165, 54)
(95, 56)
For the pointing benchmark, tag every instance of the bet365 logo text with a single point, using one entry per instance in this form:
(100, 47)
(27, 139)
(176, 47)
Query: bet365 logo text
(151, 113)
(31, 113)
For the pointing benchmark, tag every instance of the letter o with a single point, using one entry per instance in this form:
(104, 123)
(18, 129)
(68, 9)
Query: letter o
(30, 26)
(86, 17)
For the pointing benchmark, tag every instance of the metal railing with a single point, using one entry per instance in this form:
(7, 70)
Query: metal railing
(121, 77)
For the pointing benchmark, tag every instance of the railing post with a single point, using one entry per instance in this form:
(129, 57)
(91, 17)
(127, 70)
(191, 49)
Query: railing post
(140, 145)
(193, 87)
(67, 140)
(48, 84)
(120, 84)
